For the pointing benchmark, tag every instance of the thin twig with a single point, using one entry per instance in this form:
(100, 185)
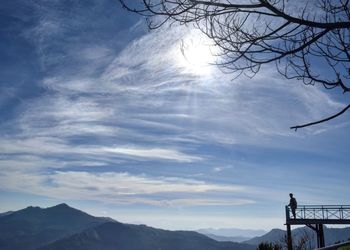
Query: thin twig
(320, 121)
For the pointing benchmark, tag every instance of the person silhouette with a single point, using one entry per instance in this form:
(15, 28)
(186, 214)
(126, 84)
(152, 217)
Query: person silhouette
(293, 204)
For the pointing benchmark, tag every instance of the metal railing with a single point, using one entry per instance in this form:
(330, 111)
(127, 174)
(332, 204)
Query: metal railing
(320, 212)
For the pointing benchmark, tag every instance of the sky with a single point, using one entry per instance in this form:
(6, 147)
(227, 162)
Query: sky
(102, 114)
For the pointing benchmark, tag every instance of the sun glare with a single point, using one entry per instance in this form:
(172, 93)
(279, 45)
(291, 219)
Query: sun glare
(196, 55)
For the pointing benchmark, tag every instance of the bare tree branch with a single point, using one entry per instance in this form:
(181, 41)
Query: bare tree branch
(307, 40)
(323, 120)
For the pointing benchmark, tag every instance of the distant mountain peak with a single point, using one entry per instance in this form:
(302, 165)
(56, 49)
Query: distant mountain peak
(29, 228)
(274, 230)
(62, 205)
(32, 207)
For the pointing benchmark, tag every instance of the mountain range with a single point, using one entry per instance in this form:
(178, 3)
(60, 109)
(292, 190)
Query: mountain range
(114, 235)
(62, 227)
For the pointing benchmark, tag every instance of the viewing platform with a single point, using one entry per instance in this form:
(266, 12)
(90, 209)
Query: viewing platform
(315, 216)
(319, 214)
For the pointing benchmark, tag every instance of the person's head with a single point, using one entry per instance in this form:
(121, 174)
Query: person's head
(291, 195)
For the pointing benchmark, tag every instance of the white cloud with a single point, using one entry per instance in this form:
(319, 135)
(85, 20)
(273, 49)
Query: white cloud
(53, 147)
(221, 168)
(124, 183)
(154, 153)
(122, 188)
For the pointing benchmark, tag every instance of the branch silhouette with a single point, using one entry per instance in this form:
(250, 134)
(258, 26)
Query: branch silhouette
(323, 120)
(307, 40)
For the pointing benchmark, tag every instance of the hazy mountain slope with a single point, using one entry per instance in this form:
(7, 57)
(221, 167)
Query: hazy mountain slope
(5, 213)
(226, 238)
(232, 232)
(332, 235)
(32, 227)
(275, 235)
(116, 235)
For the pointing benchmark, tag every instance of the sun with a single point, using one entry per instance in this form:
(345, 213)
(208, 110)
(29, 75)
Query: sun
(197, 55)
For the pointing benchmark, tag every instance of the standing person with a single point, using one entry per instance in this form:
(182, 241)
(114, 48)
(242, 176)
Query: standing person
(293, 204)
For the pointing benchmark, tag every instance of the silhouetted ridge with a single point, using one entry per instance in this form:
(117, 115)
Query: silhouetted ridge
(61, 206)
(6, 213)
(115, 235)
(33, 227)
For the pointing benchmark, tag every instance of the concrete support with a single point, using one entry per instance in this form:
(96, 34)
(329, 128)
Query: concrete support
(320, 236)
(318, 228)
(289, 237)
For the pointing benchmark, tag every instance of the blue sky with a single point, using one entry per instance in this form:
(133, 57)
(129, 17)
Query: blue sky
(112, 119)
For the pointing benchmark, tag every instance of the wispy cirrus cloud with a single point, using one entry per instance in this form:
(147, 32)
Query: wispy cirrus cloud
(54, 147)
(154, 153)
(122, 188)
(146, 95)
